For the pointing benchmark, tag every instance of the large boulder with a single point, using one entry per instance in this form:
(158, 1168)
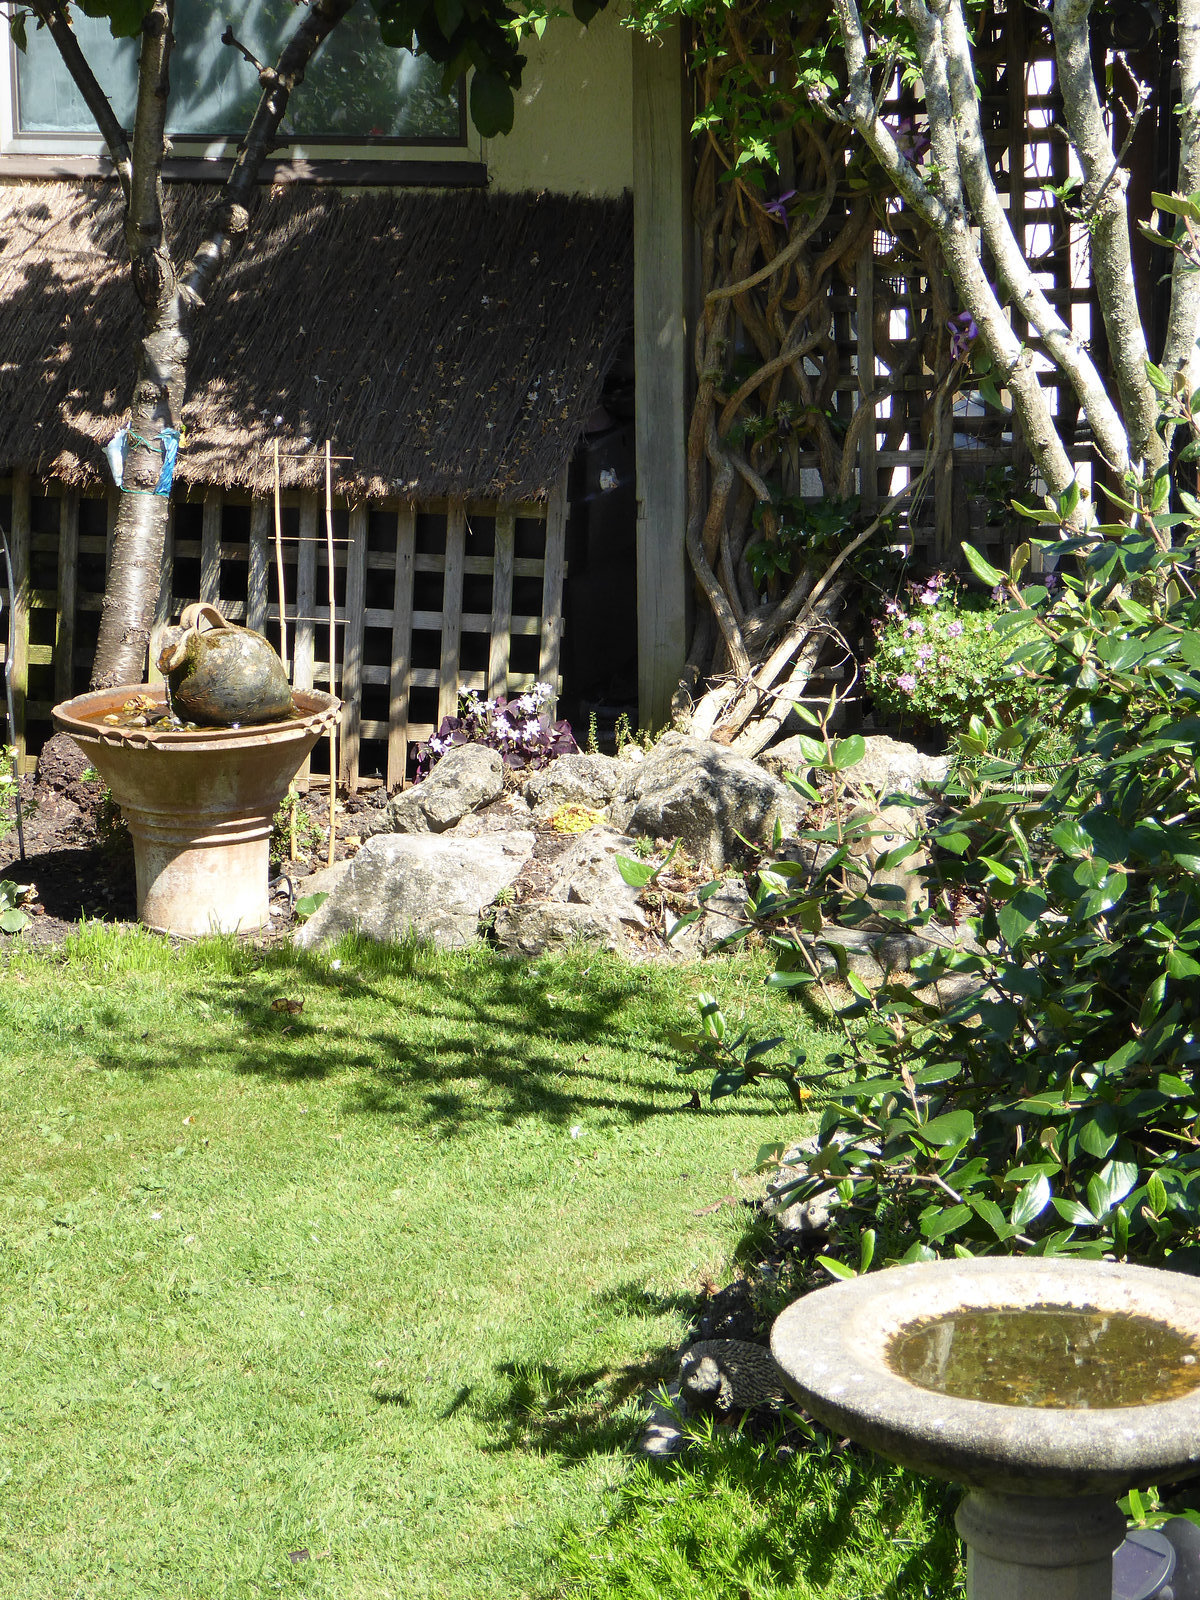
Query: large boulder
(703, 794)
(587, 898)
(890, 766)
(530, 930)
(573, 780)
(435, 886)
(468, 776)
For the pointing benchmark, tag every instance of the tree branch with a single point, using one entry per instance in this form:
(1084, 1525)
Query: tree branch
(1013, 269)
(1183, 320)
(148, 251)
(1104, 194)
(948, 221)
(231, 212)
(52, 14)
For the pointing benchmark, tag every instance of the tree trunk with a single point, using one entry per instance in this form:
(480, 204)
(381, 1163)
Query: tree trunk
(133, 579)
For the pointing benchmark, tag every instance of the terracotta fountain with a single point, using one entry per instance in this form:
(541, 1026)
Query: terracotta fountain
(199, 803)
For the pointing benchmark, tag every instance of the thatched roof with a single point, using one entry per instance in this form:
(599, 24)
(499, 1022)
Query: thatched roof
(450, 343)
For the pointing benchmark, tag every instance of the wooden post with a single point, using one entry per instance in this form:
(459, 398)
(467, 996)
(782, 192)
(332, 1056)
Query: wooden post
(553, 573)
(306, 605)
(210, 548)
(19, 546)
(68, 569)
(256, 575)
(331, 574)
(352, 645)
(452, 597)
(402, 617)
(868, 467)
(502, 589)
(661, 230)
(283, 649)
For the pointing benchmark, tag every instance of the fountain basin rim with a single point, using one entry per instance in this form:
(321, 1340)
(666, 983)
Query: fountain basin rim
(831, 1346)
(78, 717)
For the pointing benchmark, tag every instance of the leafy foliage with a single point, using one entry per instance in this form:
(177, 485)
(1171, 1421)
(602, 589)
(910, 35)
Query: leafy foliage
(1047, 1101)
(520, 729)
(12, 895)
(940, 659)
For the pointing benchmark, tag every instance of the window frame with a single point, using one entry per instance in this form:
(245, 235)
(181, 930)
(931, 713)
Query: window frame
(25, 154)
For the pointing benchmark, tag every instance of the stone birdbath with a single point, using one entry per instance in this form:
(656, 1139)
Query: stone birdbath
(199, 803)
(1047, 1388)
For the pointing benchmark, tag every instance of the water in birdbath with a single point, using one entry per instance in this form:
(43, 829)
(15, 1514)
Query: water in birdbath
(1059, 1357)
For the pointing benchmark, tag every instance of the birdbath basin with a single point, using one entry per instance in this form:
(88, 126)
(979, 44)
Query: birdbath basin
(199, 804)
(1047, 1388)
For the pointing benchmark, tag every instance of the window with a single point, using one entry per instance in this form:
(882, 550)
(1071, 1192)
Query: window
(357, 90)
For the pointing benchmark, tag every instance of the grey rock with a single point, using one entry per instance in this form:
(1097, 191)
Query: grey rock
(724, 912)
(587, 874)
(467, 776)
(435, 886)
(587, 899)
(324, 881)
(575, 780)
(890, 766)
(530, 930)
(700, 792)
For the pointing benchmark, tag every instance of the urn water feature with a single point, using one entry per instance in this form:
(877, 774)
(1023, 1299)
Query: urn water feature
(199, 803)
(1048, 1389)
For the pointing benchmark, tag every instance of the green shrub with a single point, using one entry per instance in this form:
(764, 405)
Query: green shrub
(941, 659)
(1051, 1107)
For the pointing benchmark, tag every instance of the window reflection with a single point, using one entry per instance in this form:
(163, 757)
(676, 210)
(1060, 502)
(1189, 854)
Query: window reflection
(356, 89)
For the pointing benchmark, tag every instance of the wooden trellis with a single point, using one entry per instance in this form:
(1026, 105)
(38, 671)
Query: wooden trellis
(431, 599)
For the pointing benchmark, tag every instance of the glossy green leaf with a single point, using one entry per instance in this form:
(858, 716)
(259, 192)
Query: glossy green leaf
(954, 1127)
(1098, 1133)
(1031, 1201)
(982, 569)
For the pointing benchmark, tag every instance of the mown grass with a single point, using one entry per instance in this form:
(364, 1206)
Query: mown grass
(350, 1300)
(344, 1276)
(739, 1520)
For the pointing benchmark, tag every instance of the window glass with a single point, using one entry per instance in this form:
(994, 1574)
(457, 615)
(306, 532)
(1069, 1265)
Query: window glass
(356, 89)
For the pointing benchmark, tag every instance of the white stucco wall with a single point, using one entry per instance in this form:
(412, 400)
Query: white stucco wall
(573, 131)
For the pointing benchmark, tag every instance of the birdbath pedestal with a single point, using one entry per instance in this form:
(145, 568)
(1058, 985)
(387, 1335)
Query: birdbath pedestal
(1047, 1388)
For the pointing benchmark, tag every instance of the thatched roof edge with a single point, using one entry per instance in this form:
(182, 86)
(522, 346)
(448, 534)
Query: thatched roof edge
(451, 344)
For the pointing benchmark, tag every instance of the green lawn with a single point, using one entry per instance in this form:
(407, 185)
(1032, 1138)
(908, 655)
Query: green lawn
(380, 1280)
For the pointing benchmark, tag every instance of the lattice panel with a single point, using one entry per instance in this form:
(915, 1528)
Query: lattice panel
(427, 600)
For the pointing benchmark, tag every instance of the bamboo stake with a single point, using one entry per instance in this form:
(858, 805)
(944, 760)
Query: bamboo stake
(332, 645)
(283, 651)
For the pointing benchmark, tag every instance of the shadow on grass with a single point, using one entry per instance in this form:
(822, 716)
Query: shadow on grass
(571, 1415)
(449, 1045)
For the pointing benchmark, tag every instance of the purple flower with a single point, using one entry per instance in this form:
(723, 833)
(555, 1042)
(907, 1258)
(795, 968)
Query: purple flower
(955, 630)
(907, 682)
(894, 608)
(915, 629)
(777, 209)
(924, 653)
(911, 142)
(963, 334)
